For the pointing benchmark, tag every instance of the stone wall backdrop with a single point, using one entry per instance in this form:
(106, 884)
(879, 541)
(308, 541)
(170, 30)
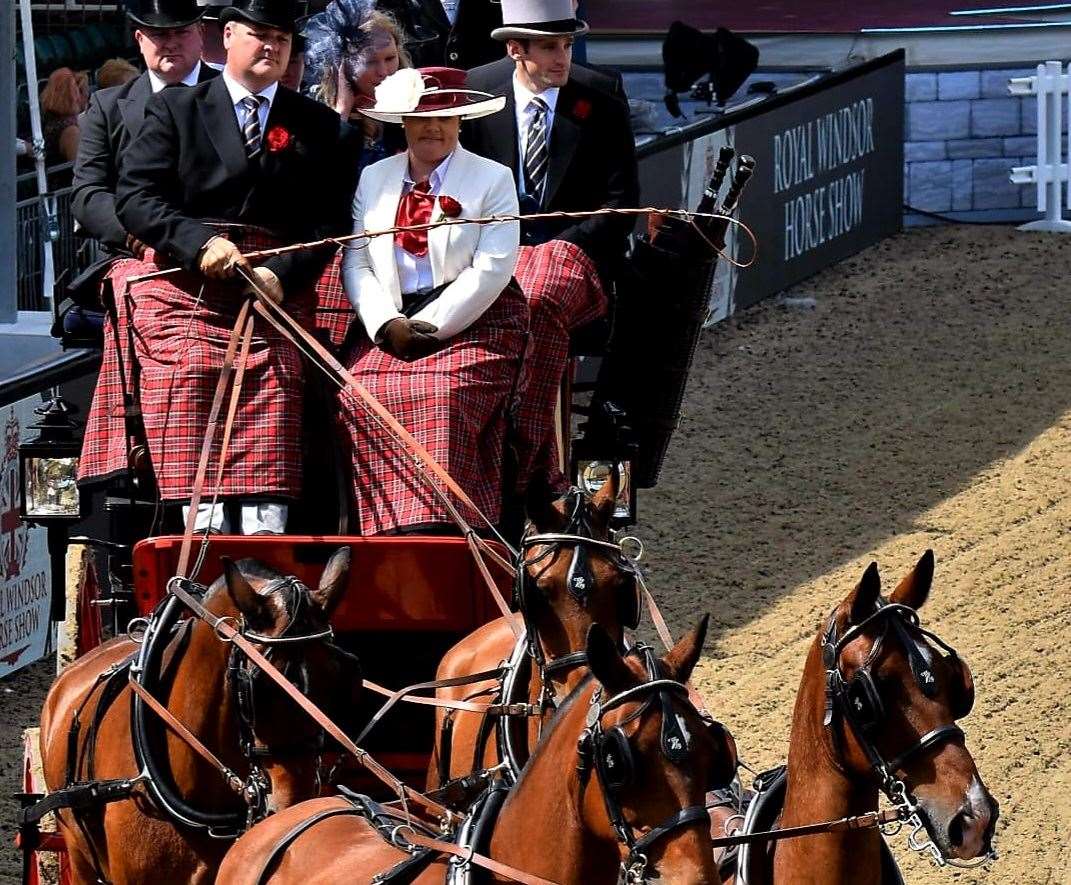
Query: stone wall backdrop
(963, 135)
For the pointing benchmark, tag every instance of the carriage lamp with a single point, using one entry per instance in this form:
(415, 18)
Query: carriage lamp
(48, 467)
(591, 475)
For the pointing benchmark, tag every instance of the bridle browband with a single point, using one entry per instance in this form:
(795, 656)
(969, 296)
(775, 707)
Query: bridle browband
(854, 697)
(579, 579)
(594, 752)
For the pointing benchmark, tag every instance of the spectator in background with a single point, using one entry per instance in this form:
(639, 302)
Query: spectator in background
(61, 103)
(115, 72)
(212, 52)
(456, 33)
(352, 48)
(295, 68)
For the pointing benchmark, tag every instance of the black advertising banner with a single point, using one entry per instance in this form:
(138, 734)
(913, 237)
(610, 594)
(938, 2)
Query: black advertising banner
(828, 180)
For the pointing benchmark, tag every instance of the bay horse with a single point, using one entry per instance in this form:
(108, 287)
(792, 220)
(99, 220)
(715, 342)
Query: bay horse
(875, 713)
(564, 585)
(625, 753)
(90, 727)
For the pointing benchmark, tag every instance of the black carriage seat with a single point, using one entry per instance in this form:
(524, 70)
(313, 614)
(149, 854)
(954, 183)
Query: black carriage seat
(764, 811)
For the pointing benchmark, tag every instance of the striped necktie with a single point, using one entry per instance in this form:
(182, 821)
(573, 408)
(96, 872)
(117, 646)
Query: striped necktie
(536, 154)
(251, 126)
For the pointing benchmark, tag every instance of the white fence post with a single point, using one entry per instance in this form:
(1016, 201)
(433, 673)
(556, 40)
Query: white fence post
(1050, 85)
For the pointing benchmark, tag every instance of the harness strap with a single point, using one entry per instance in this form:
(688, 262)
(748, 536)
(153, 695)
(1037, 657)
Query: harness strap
(931, 738)
(693, 814)
(868, 821)
(80, 797)
(228, 633)
(243, 329)
(172, 722)
(405, 694)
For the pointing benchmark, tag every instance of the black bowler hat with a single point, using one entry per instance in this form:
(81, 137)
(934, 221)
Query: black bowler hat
(163, 13)
(280, 14)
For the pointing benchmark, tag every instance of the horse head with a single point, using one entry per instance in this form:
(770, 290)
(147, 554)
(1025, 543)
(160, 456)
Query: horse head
(894, 693)
(289, 622)
(571, 573)
(634, 758)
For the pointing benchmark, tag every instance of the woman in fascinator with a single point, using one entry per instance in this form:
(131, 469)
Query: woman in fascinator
(352, 48)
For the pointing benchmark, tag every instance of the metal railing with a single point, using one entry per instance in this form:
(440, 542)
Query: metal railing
(71, 253)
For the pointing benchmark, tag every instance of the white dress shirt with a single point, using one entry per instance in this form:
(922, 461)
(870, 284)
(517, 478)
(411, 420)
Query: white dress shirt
(414, 271)
(189, 80)
(238, 92)
(526, 110)
(450, 8)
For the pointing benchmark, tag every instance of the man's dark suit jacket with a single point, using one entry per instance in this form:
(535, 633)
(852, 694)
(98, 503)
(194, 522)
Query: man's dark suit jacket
(592, 158)
(464, 44)
(106, 129)
(188, 166)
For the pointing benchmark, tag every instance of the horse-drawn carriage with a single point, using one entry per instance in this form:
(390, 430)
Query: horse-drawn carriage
(430, 708)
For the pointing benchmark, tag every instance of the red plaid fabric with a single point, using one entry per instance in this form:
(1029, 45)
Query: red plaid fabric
(104, 445)
(333, 313)
(182, 326)
(455, 402)
(564, 293)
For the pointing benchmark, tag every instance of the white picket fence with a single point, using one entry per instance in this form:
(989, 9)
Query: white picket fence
(1050, 175)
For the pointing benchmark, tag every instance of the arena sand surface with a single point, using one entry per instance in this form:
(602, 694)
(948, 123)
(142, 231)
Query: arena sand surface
(924, 403)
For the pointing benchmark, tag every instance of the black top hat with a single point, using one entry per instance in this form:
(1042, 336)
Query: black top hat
(279, 14)
(163, 13)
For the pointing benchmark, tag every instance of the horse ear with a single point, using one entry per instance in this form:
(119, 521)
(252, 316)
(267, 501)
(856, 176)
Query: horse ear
(605, 499)
(682, 658)
(256, 609)
(914, 589)
(332, 581)
(864, 598)
(606, 662)
(539, 503)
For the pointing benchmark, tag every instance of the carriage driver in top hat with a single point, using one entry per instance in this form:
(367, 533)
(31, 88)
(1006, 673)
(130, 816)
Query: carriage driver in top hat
(232, 165)
(567, 137)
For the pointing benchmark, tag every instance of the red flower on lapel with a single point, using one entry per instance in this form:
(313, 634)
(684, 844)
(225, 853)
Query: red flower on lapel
(278, 139)
(582, 109)
(451, 208)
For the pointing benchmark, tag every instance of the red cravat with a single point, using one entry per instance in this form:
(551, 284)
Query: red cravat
(414, 208)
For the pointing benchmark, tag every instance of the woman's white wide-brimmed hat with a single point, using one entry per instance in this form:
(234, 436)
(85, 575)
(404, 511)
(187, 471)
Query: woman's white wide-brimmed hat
(525, 19)
(430, 92)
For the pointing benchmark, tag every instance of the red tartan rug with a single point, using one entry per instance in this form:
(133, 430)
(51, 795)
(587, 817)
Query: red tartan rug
(455, 402)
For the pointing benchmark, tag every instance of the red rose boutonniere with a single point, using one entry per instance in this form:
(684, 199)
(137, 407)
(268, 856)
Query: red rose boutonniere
(582, 109)
(450, 207)
(278, 139)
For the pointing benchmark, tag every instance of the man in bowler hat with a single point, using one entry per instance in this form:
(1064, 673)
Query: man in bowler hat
(214, 169)
(168, 34)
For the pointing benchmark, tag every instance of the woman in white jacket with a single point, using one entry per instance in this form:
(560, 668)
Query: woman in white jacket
(445, 323)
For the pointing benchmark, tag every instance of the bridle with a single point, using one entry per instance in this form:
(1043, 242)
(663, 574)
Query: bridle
(578, 534)
(243, 676)
(608, 752)
(857, 699)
